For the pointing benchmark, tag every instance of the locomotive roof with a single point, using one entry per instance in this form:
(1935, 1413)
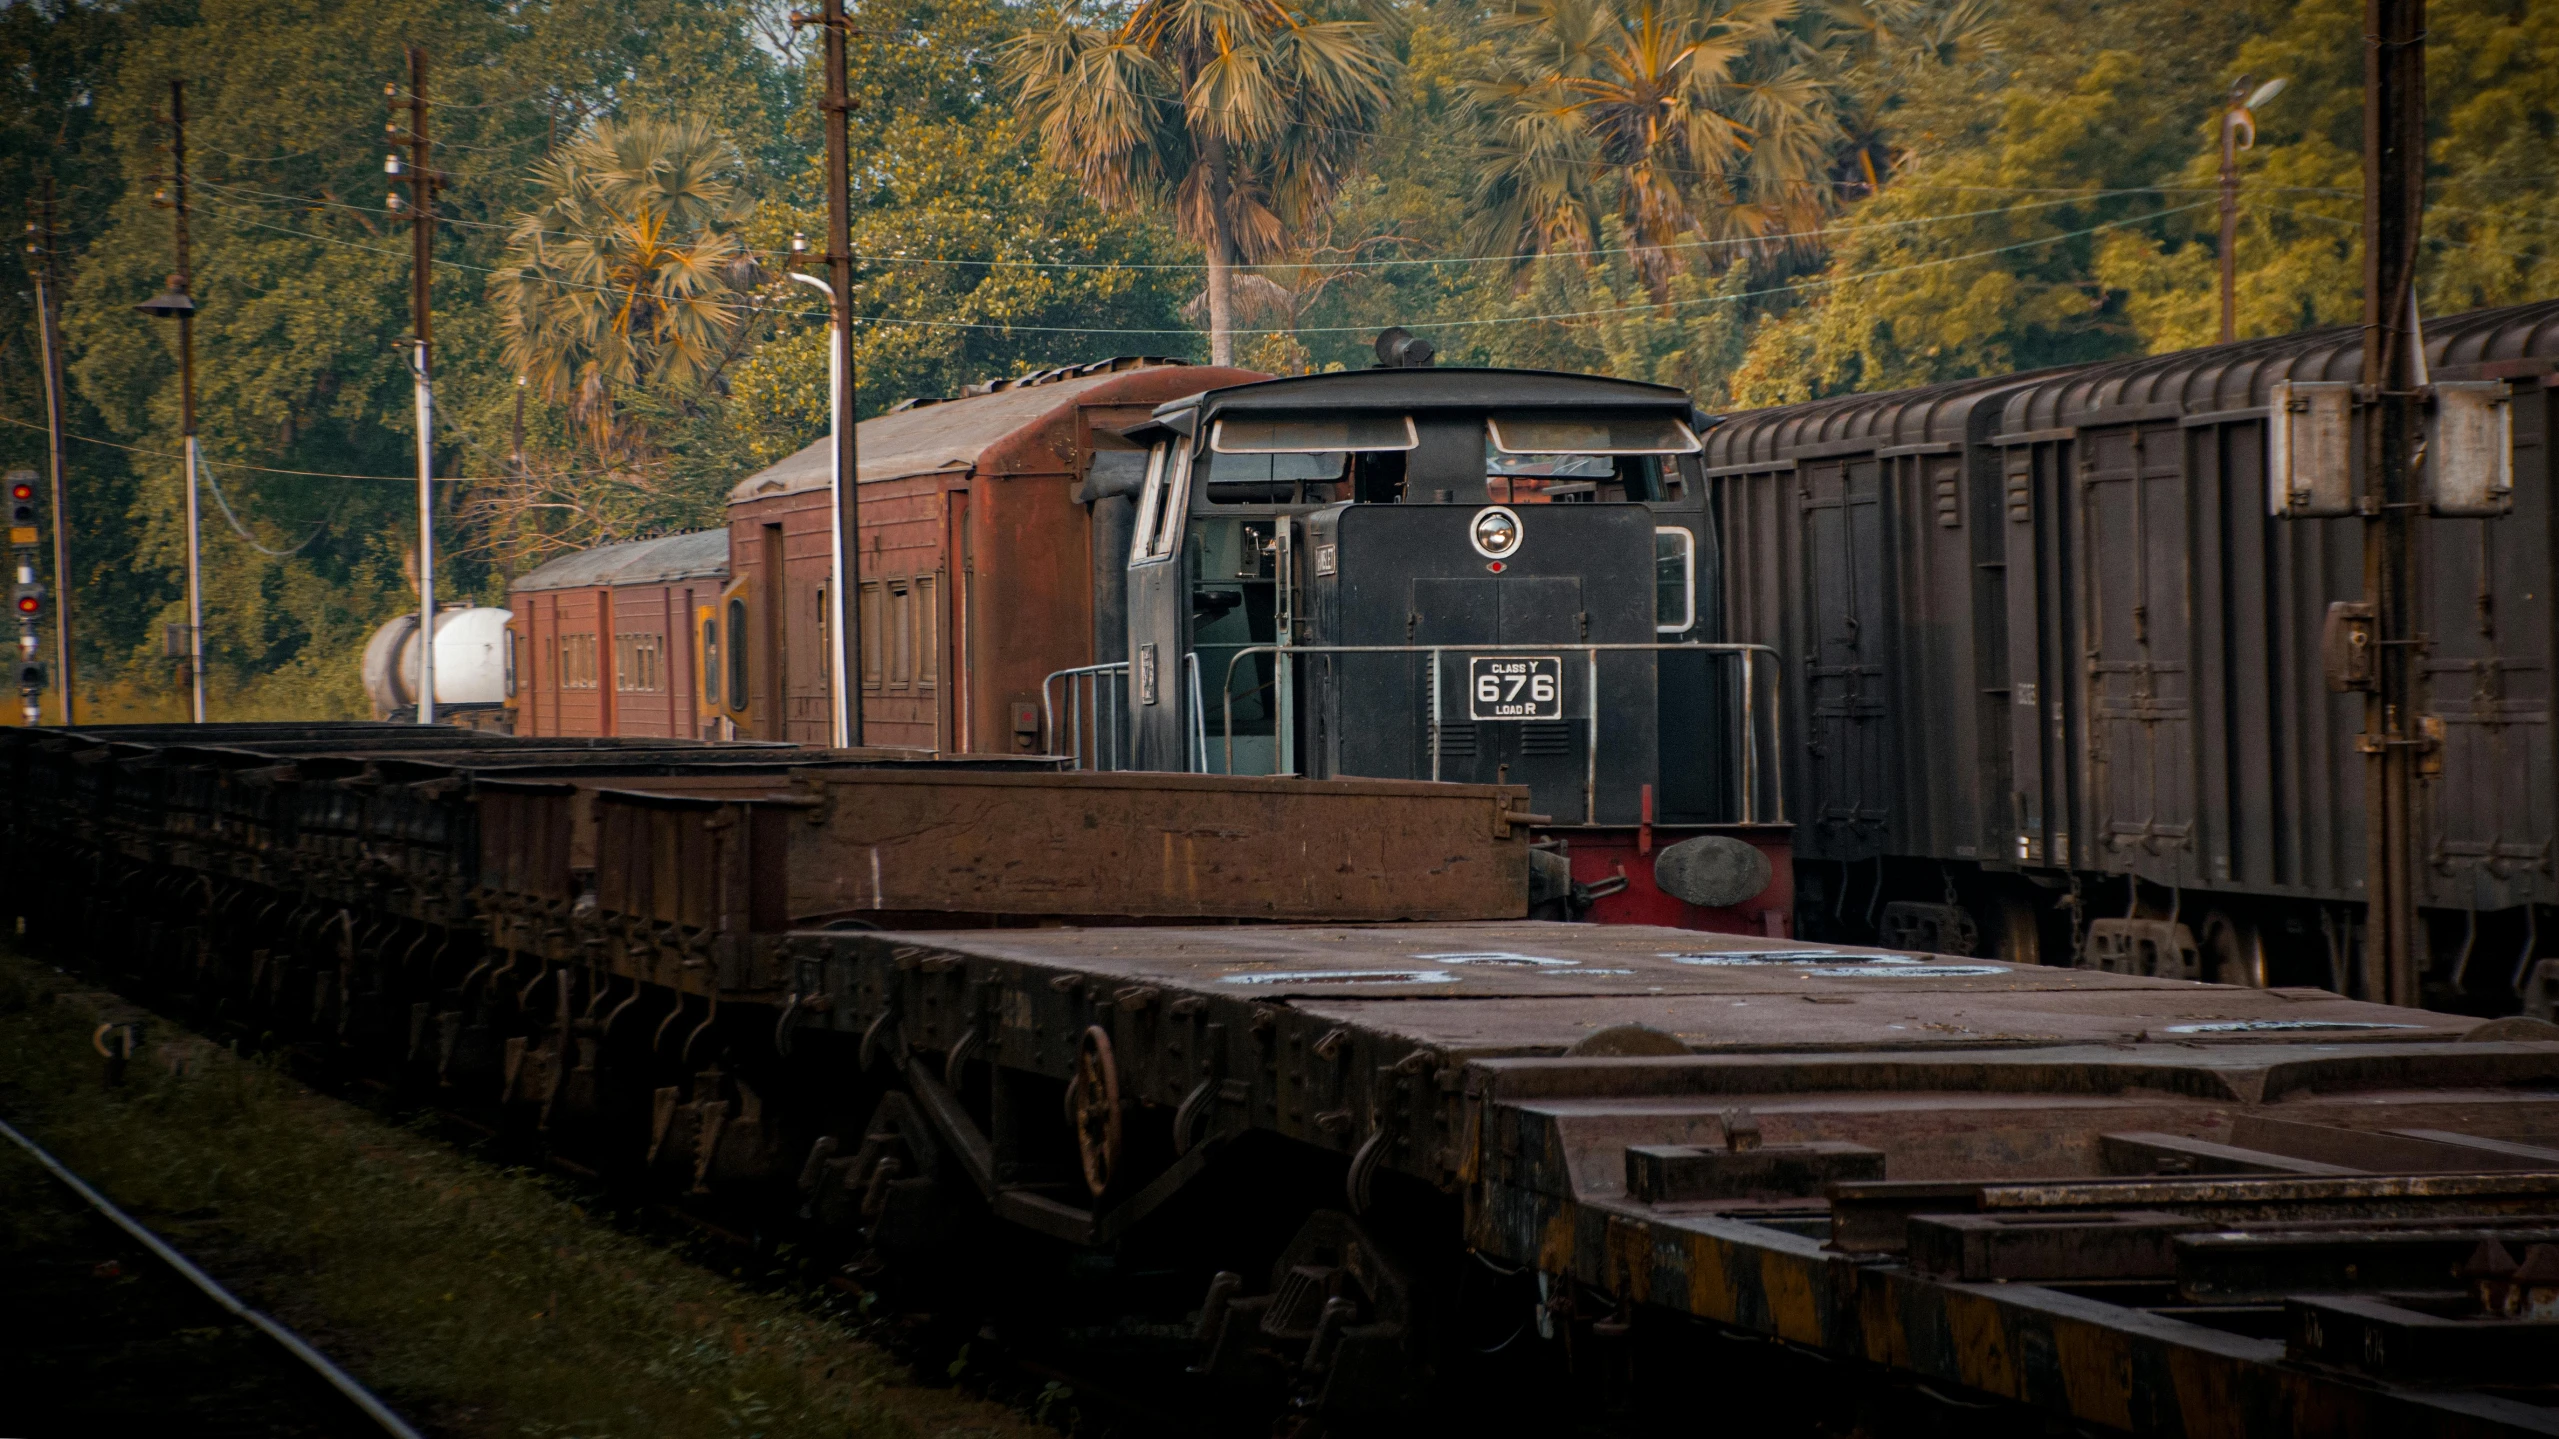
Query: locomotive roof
(702, 554)
(920, 438)
(1945, 414)
(1425, 389)
(2480, 344)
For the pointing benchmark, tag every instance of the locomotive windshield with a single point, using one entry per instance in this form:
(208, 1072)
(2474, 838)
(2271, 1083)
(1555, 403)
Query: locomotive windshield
(1580, 457)
(1298, 459)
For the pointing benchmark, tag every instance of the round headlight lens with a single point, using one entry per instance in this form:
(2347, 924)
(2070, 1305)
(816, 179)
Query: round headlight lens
(1496, 533)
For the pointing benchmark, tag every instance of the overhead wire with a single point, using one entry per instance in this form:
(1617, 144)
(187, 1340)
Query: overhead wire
(214, 482)
(1816, 282)
(1512, 258)
(315, 474)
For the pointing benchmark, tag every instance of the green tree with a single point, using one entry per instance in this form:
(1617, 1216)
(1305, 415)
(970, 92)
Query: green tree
(2492, 222)
(303, 278)
(2016, 166)
(1242, 116)
(976, 257)
(1685, 120)
(629, 273)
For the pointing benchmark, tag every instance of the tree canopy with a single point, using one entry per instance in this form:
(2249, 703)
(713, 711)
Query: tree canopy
(1759, 200)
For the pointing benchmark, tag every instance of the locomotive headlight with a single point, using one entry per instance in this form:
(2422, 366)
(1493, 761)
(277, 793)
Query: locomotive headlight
(1496, 533)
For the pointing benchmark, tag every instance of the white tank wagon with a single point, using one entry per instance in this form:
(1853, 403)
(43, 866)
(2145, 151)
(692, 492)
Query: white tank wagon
(474, 667)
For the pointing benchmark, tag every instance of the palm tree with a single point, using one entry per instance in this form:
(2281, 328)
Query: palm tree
(1689, 119)
(630, 275)
(1241, 114)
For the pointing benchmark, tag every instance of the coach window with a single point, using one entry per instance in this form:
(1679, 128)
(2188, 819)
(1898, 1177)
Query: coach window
(1582, 456)
(928, 635)
(870, 603)
(737, 653)
(1674, 580)
(710, 657)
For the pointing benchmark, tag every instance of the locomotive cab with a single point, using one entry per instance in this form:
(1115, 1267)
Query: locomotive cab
(1491, 576)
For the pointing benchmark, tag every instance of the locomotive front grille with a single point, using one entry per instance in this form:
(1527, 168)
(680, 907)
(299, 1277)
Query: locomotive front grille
(1547, 738)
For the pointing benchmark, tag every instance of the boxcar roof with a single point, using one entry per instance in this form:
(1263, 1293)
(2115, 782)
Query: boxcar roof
(1950, 413)
(703, 554)
(920, 438)
(2518, 339)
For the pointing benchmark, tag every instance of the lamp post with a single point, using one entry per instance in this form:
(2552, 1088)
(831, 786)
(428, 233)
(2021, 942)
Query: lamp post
(843, 690)
(2238, 132)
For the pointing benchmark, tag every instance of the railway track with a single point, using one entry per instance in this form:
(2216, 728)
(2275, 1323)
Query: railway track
(111, 1329)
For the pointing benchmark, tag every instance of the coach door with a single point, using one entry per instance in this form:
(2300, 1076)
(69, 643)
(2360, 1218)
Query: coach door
(1848, 642)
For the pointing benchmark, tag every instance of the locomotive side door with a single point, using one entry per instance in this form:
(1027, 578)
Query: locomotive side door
(1159, 612)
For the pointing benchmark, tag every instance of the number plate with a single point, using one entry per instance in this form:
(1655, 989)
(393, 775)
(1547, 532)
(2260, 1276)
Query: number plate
(1514, 687)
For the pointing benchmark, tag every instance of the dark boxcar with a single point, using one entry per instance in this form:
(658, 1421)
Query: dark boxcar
(2061, 658)
(976, 563)
(609, 641)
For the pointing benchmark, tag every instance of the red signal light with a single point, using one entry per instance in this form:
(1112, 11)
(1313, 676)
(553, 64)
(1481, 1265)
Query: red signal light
(22, 492)
(29, 604)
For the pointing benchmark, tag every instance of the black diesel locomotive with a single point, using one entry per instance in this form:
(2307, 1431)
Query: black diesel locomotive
(2070, 657)
(1492, 576)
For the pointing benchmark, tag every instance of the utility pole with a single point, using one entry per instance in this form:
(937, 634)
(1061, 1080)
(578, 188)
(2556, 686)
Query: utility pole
(46, 228)
(423, 183)
(845, 605)
(2394, 207)
(179, 305)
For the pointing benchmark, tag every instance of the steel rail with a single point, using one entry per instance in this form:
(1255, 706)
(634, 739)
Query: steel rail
(338, 1379)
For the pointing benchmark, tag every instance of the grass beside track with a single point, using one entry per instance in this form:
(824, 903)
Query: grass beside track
(479, 1301)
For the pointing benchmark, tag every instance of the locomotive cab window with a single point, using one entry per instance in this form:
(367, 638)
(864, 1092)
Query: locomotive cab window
(1581, 457)
(1307, 459)
(1674, 580)
(1162, 504)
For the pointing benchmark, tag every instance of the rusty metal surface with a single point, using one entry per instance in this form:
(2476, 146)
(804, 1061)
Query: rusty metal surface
(1158, 845)
(1355, 1042)
(1529, 988)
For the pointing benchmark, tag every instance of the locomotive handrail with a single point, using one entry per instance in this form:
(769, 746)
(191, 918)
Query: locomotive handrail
(1197, 738)
(1590, 654)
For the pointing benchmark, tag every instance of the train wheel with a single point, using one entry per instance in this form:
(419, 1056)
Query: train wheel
(2235, 951)
(1093, 1107)
(2019, 938)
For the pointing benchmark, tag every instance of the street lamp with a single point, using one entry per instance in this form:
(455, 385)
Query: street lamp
(2238, 132)
(175, 304)
(843, 690)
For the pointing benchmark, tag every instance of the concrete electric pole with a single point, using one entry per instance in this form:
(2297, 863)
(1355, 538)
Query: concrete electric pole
(179, 305)
(845, 605)
(423, 183)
